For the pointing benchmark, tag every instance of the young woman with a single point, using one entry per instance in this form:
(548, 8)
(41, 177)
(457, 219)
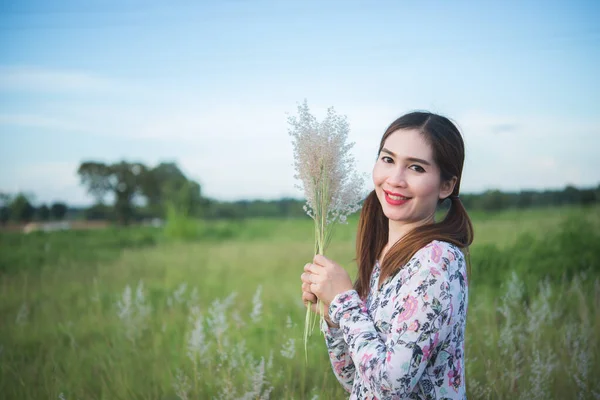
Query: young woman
(398, 331)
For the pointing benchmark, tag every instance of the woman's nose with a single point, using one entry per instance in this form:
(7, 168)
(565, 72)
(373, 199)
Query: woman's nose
(397, 178)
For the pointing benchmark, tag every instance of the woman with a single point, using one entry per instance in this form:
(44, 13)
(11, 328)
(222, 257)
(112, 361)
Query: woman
(398, 332)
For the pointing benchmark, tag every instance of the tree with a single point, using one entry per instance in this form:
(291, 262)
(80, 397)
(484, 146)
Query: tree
(493, 200)
(123, 180)
(43, 213)
(98, 211)
(5, 200)
(166, 184)
(97, 177)
(21, 209)
(58, 211)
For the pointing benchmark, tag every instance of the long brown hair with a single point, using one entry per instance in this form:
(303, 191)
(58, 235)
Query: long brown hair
(456, 228)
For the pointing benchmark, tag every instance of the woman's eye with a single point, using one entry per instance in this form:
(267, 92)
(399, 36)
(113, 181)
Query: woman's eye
(417, 168)
(387, 159)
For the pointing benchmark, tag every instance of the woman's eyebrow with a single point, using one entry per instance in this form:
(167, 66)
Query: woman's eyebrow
(412, 159)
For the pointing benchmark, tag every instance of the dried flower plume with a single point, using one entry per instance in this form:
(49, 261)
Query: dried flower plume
(325, 169)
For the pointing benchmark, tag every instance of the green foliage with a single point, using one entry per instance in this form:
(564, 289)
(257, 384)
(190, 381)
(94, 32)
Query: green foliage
(58, 211)
(99, 212)
(559, 255)
(179, 225)
(533, 335)
(43, 213)
(21, 209)
(29, 254)
(129, 182)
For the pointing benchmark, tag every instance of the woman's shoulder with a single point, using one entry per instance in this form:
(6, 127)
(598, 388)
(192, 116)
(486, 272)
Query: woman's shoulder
(439, 252)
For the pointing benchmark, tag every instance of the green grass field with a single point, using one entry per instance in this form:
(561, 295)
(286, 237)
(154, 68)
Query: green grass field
(132, 314)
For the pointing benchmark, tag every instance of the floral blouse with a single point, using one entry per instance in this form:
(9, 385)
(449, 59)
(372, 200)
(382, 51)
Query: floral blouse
(406, 341)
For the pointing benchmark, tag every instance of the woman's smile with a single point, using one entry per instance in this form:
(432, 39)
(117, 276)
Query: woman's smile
(395, 199)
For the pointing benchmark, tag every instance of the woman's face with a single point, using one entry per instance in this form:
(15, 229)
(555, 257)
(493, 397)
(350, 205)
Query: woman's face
(407, 180)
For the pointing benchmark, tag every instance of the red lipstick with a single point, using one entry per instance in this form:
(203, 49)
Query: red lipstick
(395, 202)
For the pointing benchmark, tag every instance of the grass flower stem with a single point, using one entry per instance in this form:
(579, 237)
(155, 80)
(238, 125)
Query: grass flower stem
(332, 188)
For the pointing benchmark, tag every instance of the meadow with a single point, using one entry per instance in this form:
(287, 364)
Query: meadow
(129, 313)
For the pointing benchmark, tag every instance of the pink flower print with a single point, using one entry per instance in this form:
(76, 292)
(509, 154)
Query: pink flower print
(428, 349)
(426, 352)
(454, 379)
(364, 363)
(451, 256)
(388, 357)
(414, 326)
(436, 253)
(338, 366)
(408, 309)
(435, 272)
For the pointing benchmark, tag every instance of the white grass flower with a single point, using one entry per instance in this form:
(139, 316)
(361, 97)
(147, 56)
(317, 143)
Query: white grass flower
(256, 306)
(511, 330)
(260, 388)
(124, 305)
(193, 299)
(540, 312)
(270, 361)
(143, 309)
(133, 312)
(181, 385)
(237, 319)
(197, 346)
(326, 170)
(22, 315)
(542, 365)
(61, 396)
(326, 173)
(180, 292)
(289, 349)
(217, 318)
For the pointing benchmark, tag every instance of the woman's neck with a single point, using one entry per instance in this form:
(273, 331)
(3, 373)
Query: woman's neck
(397, 230)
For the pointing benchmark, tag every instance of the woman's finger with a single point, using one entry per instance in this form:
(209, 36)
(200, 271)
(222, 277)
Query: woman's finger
(313, 268)
(308, 296)
(305, 277)
(321, 260)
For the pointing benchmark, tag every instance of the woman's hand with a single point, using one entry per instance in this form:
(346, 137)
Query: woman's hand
(325, 279)
(309, 297)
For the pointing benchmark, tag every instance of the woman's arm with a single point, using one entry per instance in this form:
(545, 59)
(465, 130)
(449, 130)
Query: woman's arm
(421, 311)
(341, 362)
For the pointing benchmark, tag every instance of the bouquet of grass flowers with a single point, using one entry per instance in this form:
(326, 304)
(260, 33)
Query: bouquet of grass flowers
(326, 173)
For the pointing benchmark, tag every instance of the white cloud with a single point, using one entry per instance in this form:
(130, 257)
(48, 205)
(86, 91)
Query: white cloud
(239, 147)
(35, 79)
(537, 152)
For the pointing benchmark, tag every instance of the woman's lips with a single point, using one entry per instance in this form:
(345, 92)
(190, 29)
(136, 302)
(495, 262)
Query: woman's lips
(396, 200)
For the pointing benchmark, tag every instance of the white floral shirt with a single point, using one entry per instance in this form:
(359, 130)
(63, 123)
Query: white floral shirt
(406, 341)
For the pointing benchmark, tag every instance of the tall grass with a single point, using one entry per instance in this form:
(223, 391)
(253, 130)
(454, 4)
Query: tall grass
(219, 318)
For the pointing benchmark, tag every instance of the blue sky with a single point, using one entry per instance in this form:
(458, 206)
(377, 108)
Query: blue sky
(208, 85)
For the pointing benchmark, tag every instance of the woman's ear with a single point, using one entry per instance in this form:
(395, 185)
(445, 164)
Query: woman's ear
(448, 187)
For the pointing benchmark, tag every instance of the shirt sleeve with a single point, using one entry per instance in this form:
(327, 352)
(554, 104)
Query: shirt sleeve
(341, 362)
(420, 316)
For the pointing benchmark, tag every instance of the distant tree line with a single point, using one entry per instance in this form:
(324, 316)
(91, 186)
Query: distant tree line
(496, 200)
(128, 192)
(19, 209)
